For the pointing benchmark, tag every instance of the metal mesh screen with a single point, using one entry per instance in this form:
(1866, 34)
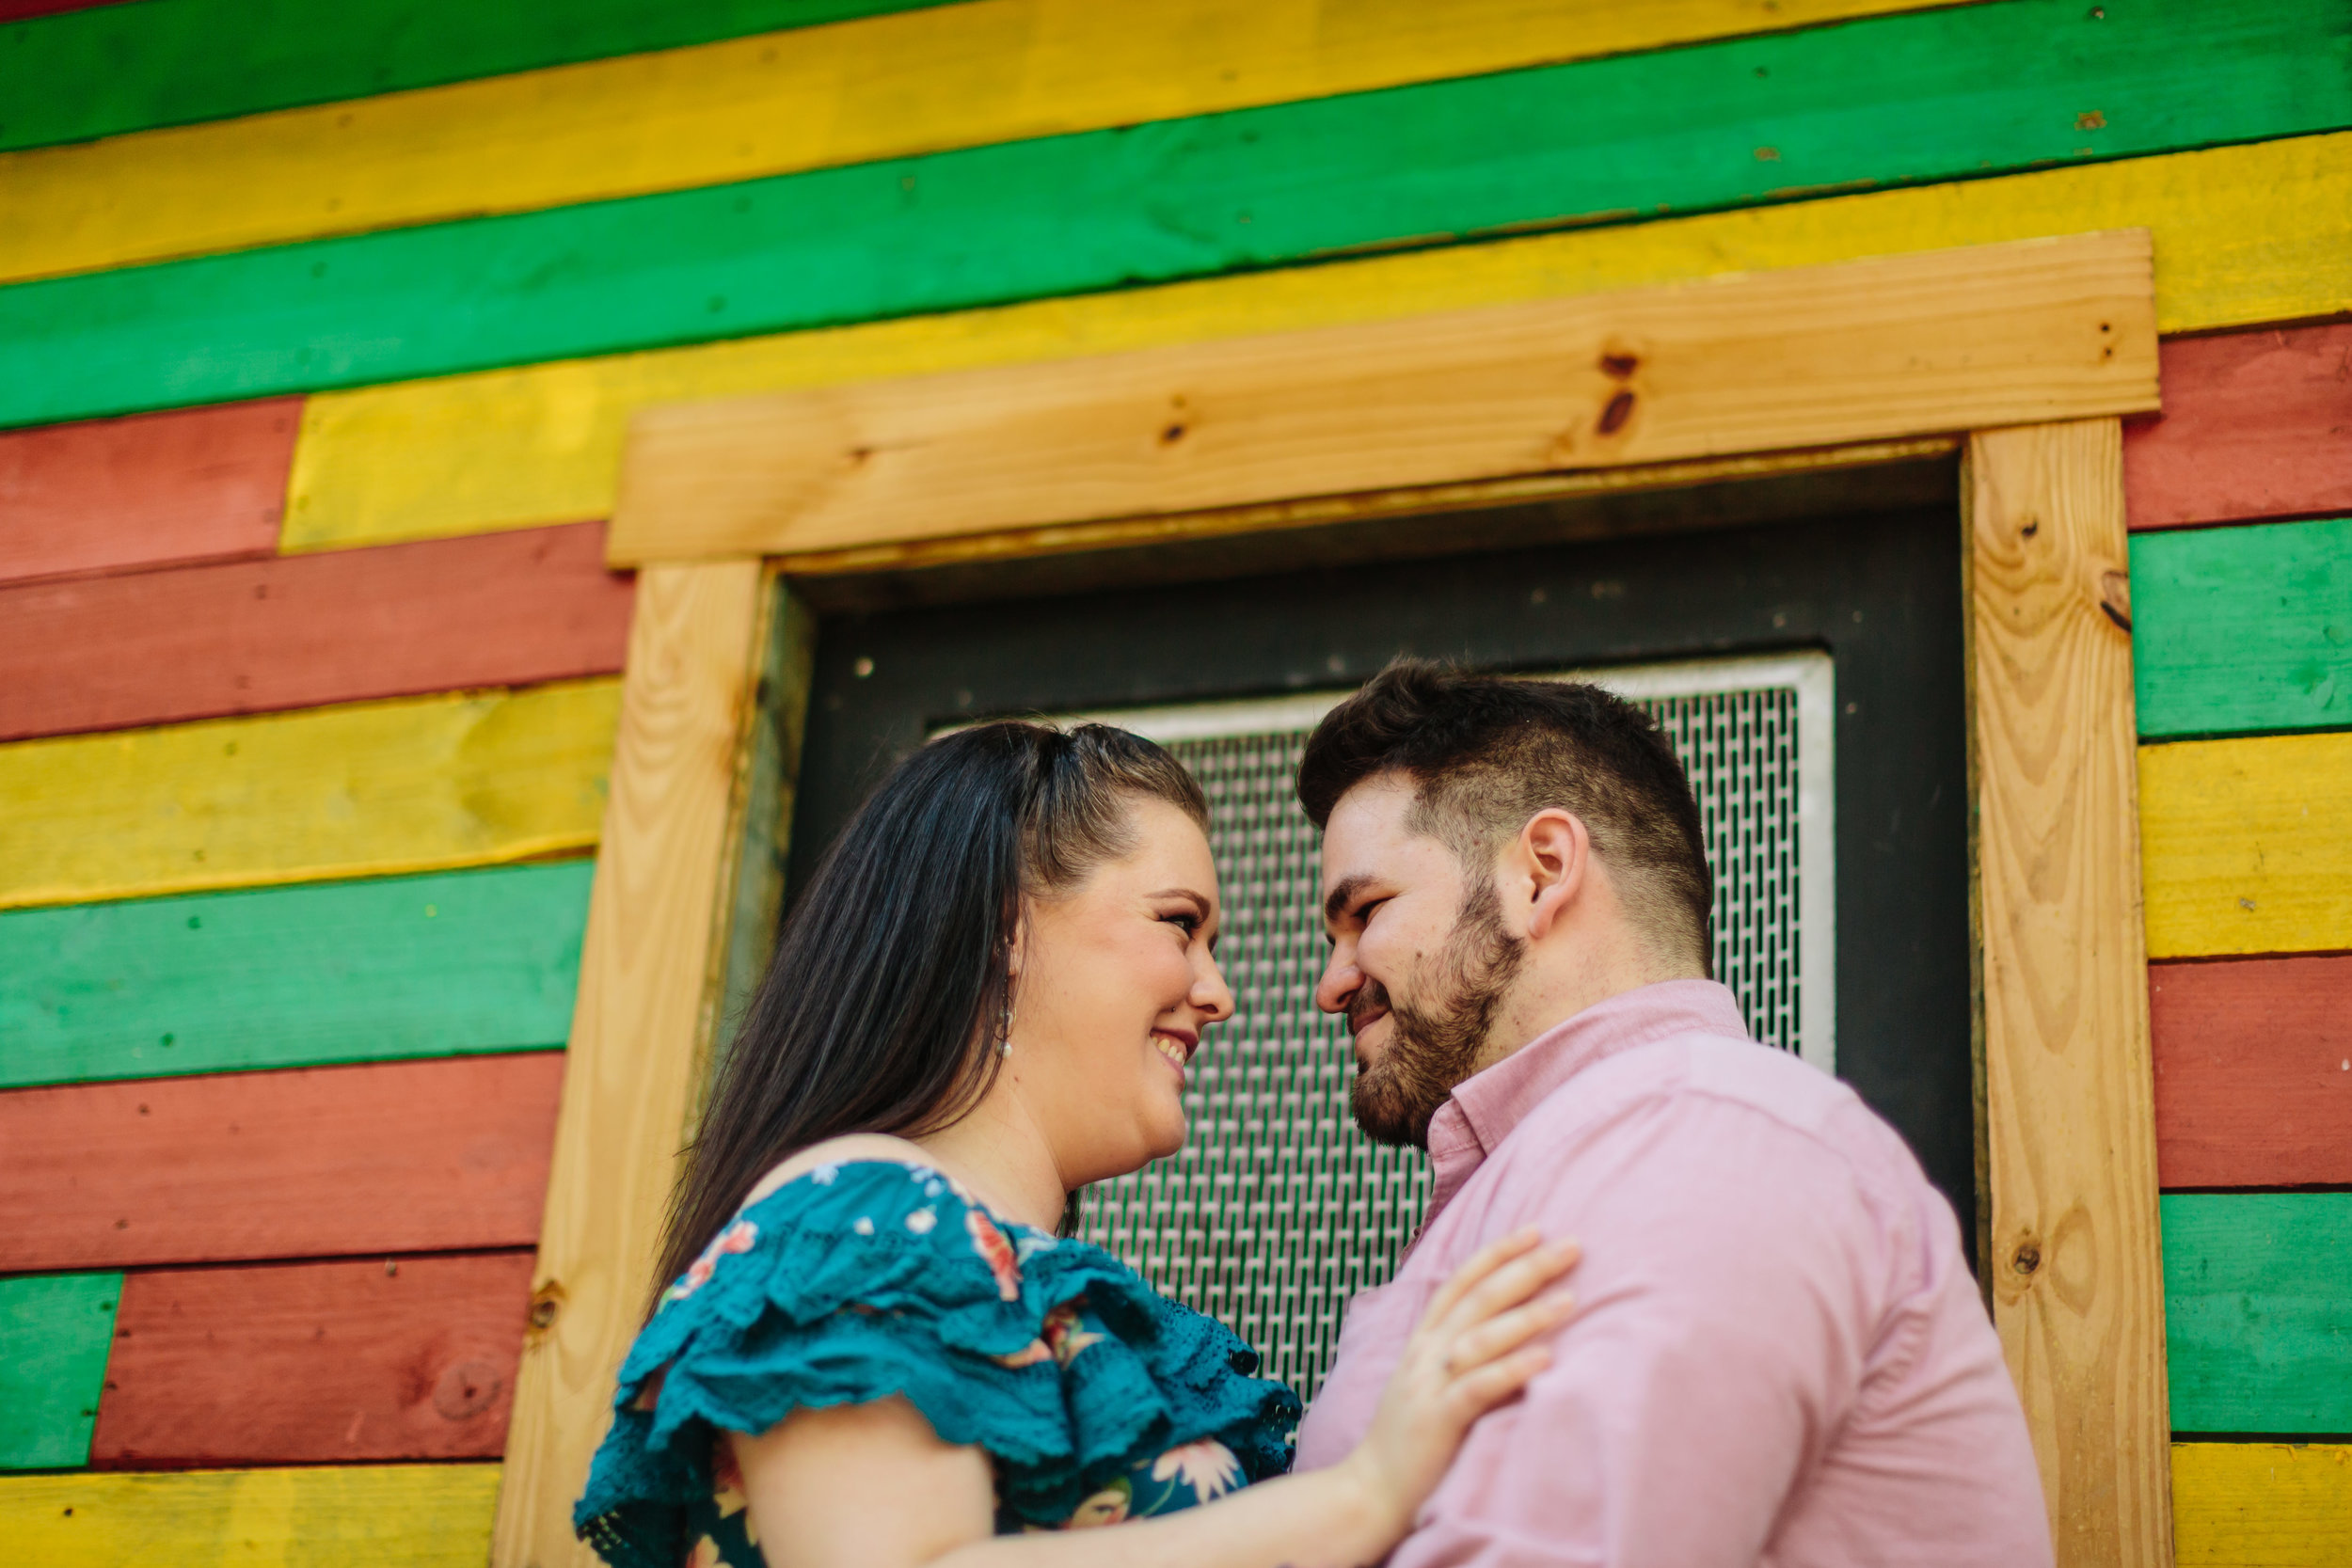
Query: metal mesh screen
(1278, 1210)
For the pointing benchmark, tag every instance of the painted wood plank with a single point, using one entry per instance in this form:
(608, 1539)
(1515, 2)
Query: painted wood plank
(367, 789)
(310, 1363)
(967, 75)
(2258, 1311)
(651, 981)
(172, 62)
(2254, 1071)
(2255, 424)
(1922, 96)
(316, 1161)
(2247, 844)
(2244, 629)
(255, 636)
(2242, 234)
(155, 490)
(2073, 1253)
(2263, 1505)
(54, 1334)
(1891, 346)
(447, 964)
(320, 1517)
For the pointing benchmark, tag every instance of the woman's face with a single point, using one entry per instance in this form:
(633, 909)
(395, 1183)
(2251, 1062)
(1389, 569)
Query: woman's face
(1116, 981)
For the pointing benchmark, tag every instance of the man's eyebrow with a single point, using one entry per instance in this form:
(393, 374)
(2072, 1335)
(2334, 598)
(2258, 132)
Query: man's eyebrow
(1344, 895)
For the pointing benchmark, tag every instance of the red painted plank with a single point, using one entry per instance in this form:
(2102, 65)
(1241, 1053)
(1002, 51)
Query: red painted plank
(2255, 424)
(315, 1362)
(2254, 1071)
(295, 631)
(17, 10)
(154, 489)
(315, 1162)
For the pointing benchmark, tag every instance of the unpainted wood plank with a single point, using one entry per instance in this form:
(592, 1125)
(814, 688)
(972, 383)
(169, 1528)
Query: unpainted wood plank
(1881, 348)
(310, 1163)
(1950, 92)
(364, 789)
(967, 75)
(2263, 1505)
(2244, 629)
(2253, 233)
(318, 1516)
(2249, 844)
(2255, 424)
(54, 1334)
(256, 637)
(151, 490)
(448, 964)
(2076, 1254)
(2254, 1071)
(650, 986)
(315, 1362)
(2258, 1311)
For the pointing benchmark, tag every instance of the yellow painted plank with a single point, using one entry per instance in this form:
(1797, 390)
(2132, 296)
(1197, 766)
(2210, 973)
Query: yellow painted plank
(361, 1516)
(2242, 235)
(365, 789)
(2263, 1505)
(967, 75)
(2247, 844)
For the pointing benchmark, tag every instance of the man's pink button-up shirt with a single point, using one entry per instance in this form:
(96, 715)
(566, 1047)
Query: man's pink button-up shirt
(1779, 1355)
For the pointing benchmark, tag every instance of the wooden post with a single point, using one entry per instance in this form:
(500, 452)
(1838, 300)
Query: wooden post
(649, 985)
(2076, 1254)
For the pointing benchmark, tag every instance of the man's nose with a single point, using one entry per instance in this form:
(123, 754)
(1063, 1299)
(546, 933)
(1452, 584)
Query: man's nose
(1341, 980)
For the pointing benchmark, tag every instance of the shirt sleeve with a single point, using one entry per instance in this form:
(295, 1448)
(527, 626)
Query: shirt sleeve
(1724, 1298)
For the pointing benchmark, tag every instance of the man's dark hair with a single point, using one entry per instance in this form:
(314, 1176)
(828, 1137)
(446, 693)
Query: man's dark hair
(1486, 752)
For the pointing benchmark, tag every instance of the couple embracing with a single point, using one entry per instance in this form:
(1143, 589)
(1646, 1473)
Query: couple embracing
(882, 1347)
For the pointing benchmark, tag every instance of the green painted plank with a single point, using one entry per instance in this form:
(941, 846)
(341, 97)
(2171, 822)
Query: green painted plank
(55, 1331)
(113, 68)
(2258, 1311)
(2237, 630)
(435, 965)
(1917, 97)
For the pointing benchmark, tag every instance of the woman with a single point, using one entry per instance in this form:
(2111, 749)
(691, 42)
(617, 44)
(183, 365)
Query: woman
(881, 1348)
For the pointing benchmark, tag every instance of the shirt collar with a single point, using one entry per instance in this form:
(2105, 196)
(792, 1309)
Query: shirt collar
(1483, 1108)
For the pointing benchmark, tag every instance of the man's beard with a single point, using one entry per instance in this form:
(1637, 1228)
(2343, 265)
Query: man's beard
(1433, 1044)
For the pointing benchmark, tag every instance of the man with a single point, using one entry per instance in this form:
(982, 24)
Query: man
(1780, 1356)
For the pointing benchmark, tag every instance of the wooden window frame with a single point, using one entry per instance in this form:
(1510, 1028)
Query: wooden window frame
(2022, 357)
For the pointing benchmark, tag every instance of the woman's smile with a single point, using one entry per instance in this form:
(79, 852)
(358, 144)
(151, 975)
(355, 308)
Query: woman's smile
(1177, 1047)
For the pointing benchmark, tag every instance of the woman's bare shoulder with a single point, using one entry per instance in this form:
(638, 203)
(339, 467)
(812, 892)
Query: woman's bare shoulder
(834, 1151)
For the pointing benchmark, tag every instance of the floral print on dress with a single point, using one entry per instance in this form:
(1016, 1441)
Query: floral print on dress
(995, 1252)
(737, 1238)
(1208, 1468)
(727, 1487)
(705, 1555)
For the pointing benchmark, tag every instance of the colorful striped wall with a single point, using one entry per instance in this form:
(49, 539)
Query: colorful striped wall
(319, 328)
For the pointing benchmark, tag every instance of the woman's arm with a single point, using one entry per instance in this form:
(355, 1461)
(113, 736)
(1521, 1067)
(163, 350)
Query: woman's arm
(872, 1487)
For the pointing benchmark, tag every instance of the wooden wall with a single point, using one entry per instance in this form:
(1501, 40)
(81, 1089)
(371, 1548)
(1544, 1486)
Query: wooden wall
(319, 328)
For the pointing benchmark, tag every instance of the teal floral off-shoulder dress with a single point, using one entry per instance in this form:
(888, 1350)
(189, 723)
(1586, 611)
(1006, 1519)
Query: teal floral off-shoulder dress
(1096, 1398)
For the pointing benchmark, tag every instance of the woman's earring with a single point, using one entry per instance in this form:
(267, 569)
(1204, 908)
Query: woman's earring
(1004, 1030)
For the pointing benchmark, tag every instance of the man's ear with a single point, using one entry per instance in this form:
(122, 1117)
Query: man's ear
(1557, 853)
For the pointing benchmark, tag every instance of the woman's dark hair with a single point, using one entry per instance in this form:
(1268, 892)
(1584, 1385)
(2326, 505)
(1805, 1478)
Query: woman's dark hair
(878, 1010)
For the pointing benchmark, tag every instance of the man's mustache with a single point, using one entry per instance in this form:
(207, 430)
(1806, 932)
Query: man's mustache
(1365, 1007)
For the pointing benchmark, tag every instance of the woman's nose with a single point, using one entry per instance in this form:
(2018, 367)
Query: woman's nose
(1211, 995)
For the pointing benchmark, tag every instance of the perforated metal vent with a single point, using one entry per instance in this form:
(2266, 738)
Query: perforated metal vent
(1278, 1210)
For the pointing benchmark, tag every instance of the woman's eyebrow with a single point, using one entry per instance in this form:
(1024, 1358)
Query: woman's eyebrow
(1201, 901)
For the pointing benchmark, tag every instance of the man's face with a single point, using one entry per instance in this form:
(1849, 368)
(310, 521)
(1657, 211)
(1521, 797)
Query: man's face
(1421, 959)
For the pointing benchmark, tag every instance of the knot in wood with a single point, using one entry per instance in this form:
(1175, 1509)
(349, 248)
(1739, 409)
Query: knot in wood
(1614, 416)
(2027, 1257)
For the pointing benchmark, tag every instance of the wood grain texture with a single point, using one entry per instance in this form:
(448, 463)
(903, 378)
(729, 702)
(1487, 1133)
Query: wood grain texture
(889, 87)
(256, 637)
(2254, 1071)
(368, 789)
(2247, 844)
(650, 985)
(310, 1363)
(2246, 628)
(155, 490)
(1930, 95)
(53, 1333)
(1889, 347)
(317, 1162)
(448, 964)
(2258, 1311)
(2076, 1252)
(2255, 424)
(2242, 234)
(320, 1517)
(2263, 1505)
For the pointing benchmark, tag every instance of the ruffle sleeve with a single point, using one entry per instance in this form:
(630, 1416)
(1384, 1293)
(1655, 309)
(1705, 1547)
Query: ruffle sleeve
(865, 1280)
